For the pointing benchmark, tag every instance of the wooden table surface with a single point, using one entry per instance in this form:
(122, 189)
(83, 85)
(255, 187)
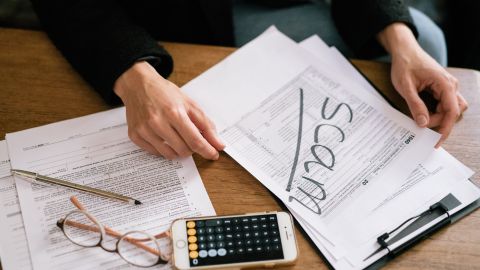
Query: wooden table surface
(38, 87)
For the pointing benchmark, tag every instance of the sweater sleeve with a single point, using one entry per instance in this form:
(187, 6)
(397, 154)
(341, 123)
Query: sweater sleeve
(99, 40)
(359, 21)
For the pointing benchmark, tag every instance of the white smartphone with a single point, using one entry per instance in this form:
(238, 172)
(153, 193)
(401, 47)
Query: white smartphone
(257, 239)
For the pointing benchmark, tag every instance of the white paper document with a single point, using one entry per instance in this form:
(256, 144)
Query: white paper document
(316, 141)
(14, 252)
(95, 150)
(314, 131)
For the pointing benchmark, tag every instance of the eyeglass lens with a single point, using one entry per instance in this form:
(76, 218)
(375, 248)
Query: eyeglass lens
(139, 248)
(81, 230)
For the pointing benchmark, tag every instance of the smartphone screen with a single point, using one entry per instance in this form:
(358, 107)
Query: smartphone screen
(233, 240)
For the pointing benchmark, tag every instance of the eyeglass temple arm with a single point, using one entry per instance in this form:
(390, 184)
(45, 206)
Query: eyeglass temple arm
(80, 206)
(136, 242)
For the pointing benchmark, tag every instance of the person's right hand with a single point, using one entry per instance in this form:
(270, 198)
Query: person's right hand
(162, 119)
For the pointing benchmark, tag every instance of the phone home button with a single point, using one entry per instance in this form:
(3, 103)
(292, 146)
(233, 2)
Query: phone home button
(181, 244)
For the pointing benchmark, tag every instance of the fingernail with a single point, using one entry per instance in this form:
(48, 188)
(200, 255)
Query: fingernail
(422, 120)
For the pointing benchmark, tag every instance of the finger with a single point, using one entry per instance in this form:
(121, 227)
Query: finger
(136, 139)
(206, 126)
(158, 143)
(416, 105)
(463, 104)
(196, 142)
(449, 104)
(435, 120)
(174, 140)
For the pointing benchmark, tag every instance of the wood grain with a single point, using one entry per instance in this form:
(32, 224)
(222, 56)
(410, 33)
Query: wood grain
(37, 87)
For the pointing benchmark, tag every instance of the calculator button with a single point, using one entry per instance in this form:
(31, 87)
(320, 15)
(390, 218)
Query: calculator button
(229, 236)
(273, 225)
(276, 247)
(228, 229)
(237, 228)
(210, 230)
(247, 235)
(263, 218)
(202, 246)
(248, 242)
(266, 241)
(193, 254)
(190, 224)
(238, 235)
(195, 261)
(201, 230)
(245, 220)
(191, 232)
(257, 241)
(227, 221)
(236, 220)
(212, 252)
(249, 249)
(220, 244)
(218, 229)
(230, 244)
(256, 234)
(239, 242)
(240, 250)
(263, 225)
(222, 252)
(192, 239)
(192, 247)
(264, 233)
(255, 227)
(246, 227)
(220, 237)
(200, 223)
(274, 233)
(253, 219)
(259, 249)
(202, 253)
(275, 240)
(211, 245)
(211, 237)
(231, 251)
(201, 238)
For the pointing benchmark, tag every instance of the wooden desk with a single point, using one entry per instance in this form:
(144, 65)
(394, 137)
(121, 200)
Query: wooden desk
(37, 87)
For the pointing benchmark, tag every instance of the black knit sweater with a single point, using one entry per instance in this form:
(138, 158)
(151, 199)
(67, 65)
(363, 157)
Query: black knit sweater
(103, 38)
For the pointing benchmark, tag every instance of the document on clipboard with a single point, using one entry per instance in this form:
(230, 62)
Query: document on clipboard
(345, 163)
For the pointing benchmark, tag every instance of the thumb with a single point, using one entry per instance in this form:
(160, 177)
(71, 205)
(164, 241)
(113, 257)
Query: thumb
(417, 107)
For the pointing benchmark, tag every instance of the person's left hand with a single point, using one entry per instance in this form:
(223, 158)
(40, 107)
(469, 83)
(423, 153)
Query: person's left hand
(413, 71)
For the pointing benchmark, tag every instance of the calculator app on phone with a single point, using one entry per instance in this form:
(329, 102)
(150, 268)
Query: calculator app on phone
(233, 240)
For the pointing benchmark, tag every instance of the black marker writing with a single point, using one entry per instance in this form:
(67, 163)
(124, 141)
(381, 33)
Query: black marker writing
(318, 187)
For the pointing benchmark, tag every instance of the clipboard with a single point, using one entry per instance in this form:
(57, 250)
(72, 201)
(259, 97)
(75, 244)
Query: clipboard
(435, 211)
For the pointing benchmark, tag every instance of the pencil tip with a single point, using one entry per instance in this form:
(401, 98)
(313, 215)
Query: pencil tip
(137, 202)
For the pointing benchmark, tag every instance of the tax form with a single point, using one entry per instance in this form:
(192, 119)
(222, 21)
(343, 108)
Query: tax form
(95, 150)
(441, 174)
(317, 140)
(14, 252)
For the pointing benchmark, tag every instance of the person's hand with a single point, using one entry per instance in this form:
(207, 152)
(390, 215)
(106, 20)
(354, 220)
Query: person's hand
(162, 119)
(413, 71)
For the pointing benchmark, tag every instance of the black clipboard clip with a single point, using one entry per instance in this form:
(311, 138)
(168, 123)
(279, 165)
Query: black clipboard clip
(384, 242)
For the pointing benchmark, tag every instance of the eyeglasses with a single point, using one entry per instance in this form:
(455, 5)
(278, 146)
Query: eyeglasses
(135, 247)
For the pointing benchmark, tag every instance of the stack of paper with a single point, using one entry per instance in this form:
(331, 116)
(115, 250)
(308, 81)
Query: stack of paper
(93, 150)
(307, 125)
